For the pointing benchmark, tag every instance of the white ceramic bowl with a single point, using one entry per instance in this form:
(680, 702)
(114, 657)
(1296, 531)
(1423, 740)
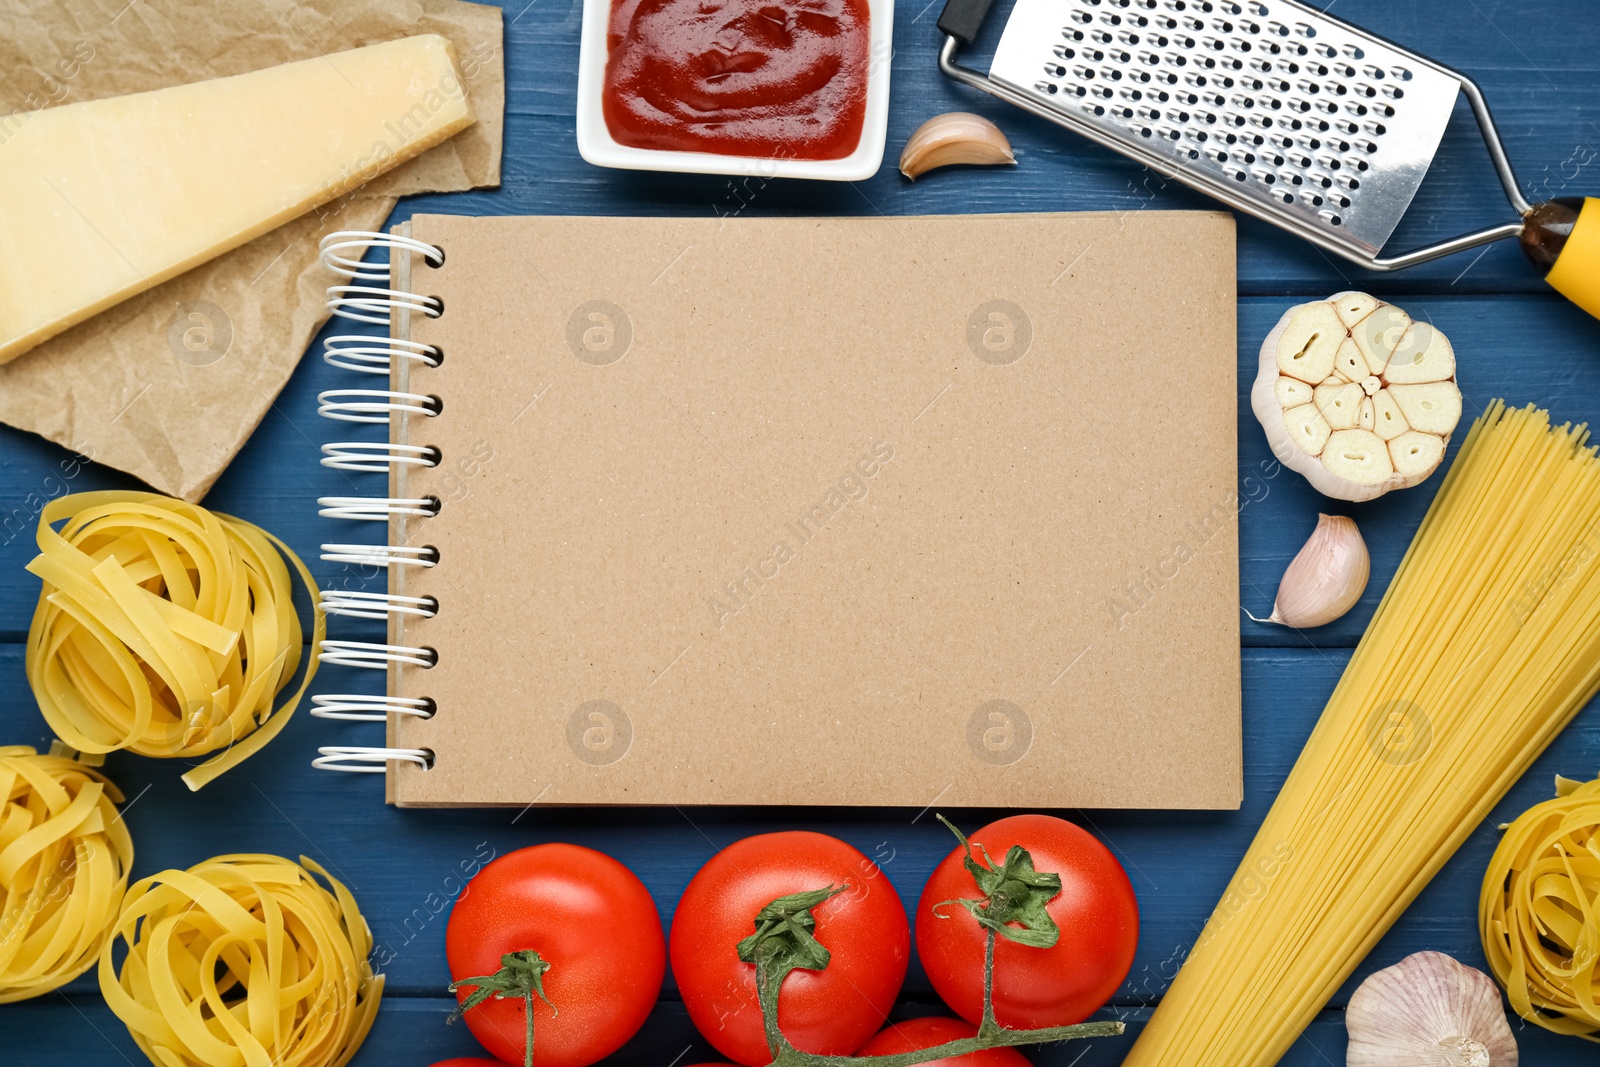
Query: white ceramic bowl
(596, 144)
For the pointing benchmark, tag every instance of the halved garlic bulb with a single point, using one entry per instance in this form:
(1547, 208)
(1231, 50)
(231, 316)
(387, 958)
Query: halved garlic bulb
(1356, 396)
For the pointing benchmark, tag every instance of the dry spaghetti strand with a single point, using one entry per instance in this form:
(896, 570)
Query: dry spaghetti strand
(165, 629)
(1540, 912)
(243, 961)
(1485, 646)
(64, 859)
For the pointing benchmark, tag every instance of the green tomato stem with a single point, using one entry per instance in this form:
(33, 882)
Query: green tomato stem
(769, 983)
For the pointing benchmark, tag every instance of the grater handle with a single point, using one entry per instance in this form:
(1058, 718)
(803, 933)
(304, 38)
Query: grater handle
(1562, 237)
(962, 19)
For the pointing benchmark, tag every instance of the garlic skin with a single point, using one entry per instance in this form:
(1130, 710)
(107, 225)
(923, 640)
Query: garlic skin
(954, 137)
(1325, 578)
(1356, 396)
(1428, 1011)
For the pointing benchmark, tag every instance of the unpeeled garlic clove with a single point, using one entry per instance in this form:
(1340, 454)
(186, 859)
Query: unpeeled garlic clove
(954, 137)
(1326, 577)
(1428, 1011)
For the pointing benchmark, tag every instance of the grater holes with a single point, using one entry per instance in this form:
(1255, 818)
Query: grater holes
(1048, 88)
(1401, 73)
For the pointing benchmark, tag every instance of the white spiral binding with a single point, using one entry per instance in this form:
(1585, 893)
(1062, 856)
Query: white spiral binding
(335, 244)
(373, 355)
(373, 405)
(363, 707)
(376, 509)
(372, 303)
(359, 605)
(359, 760)
(368, 298)
(377, 457)
(381, 555)
(374, 656)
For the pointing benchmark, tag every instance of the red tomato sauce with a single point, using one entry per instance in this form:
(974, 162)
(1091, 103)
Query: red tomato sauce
(780, 79)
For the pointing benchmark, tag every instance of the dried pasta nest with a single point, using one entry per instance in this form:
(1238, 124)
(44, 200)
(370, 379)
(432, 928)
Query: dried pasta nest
(1539, 914)
(243, 961)
(64, 859)
(165, 629)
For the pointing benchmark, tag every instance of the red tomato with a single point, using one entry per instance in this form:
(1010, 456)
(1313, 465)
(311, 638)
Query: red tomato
(830, 1012)
(1096, 912)
(914, 1035)
(592, 920)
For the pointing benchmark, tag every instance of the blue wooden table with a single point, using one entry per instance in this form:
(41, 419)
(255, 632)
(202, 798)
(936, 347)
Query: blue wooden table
(1514, 338)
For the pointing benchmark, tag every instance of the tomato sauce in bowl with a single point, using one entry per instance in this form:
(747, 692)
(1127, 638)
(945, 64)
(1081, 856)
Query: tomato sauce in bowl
(782, 79)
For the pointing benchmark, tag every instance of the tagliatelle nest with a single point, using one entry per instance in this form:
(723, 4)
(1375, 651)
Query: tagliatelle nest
(163, 628)
(64, 859)
(1539, 913)
(243, 961)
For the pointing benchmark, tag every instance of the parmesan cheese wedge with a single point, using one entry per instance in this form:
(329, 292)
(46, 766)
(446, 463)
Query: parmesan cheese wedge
(105, 199)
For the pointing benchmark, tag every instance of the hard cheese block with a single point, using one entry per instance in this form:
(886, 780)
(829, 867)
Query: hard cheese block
(104, 199)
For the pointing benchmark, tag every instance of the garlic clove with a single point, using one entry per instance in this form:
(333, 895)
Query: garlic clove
(1308, 346)
(1326, 577)
(1340, 403)
(1416, 453)
(954, 137)
(1307, 428)
(1370, 383)
(1423, 355)
(1350, 363)
(1353, 307)
(1379, 334)
(1292, 392)
(1358, 456)
(1389, 422)
(1433, 407)
(1428, 1011)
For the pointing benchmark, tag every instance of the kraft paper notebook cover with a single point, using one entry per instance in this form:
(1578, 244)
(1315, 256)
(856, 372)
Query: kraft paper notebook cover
(887, 511)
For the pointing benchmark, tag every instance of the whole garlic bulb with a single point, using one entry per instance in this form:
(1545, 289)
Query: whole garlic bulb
(1325, 578)
(1356, 396)
(1428, 1011)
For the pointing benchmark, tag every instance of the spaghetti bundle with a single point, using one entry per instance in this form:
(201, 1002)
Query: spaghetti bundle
(64, 859)
(163, 628)
(243, 961)
(1540, 912)
(1486, 644)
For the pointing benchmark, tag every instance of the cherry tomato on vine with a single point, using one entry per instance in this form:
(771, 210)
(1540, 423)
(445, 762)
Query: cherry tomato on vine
(1095, 911)
(832, 1011)
(914, 1035)
(591, 920)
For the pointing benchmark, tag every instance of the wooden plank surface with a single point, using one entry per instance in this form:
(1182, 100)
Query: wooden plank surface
(1537, 66)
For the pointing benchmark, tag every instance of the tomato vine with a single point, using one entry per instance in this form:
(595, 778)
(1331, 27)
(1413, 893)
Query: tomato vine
(1011, 905)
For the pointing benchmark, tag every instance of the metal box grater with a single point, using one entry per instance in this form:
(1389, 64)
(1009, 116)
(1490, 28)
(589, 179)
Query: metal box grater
(1270, 106)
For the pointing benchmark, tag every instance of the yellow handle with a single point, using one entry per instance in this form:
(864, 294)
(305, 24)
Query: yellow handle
(1576, 274)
